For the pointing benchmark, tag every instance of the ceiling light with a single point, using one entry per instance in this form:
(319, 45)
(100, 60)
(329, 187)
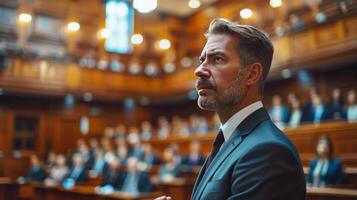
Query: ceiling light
(25, 18)
(164, 44)
(104, 33)
(169, 67)
(194, 4)
(137, 39)
(73, 26)
(246, 13)
(145, 6)
(275, 3)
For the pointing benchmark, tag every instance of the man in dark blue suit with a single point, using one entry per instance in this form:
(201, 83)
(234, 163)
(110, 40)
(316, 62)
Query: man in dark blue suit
(251, 158)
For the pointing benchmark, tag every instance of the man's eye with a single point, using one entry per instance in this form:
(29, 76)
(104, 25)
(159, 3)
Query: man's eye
(217, 59)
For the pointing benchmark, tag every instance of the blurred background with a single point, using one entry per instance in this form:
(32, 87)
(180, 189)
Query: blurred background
(78, 77)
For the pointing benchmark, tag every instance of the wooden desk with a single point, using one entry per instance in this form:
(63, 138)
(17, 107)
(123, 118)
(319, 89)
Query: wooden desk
(85, 193)
(178, 189)
(8, 189)
(330, 194)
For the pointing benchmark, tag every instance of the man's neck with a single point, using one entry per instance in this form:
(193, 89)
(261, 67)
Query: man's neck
(228, 112)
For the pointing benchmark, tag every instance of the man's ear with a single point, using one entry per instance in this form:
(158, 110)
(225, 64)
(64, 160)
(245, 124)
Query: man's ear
(254, 72)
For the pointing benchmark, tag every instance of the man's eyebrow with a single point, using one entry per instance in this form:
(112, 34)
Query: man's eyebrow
(215, 53)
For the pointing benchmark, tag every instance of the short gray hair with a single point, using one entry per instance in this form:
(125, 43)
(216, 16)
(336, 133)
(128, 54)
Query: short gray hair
(253, 45)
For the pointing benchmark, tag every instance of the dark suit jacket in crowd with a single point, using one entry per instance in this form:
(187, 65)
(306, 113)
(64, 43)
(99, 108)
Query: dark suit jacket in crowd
(81, 178)
(113, 178)
(334, 175)
(144, 183)
(187, 161)
(37, 174)
(258, 162)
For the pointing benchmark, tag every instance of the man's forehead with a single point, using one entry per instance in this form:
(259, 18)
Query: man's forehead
(218, 43)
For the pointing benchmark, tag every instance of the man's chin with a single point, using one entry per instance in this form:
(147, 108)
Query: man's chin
(204, 104)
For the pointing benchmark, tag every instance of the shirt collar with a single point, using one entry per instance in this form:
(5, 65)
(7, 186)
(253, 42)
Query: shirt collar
(233, 122)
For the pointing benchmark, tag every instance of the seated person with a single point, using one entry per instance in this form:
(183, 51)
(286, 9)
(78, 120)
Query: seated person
(51, 161)
(112, 176)
(325, 170)
(59, 171)
(336, 104)
(278, 112)
(78, 172)
(351, 108)
(169, 170)
(146, 132)
(295, 113)
(149, 157)
(99, 164)
(134, 181)
(318, 112)
(195, 157)
(36, 172)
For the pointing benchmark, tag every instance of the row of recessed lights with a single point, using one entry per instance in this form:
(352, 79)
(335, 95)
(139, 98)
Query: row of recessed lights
(104, 33)
(247, 13)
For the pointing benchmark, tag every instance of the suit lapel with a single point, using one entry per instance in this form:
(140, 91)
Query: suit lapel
(227, 148)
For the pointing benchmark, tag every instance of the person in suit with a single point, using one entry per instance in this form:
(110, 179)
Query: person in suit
(295, 114)
(318, 112)
(325, 170)
(351, 108)
(170, 168)
(278, 112)
(36, 172)
(78, 172)
(336, 105)
(134, 181)
(149, 157)
(195, 157)
(112, 175)
(251, 158)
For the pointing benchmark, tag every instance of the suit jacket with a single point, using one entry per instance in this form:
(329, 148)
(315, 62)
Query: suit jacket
(113, 178)
(144, 183)
(257, 162)
(36, 174)
(334, 174)
(81, 178)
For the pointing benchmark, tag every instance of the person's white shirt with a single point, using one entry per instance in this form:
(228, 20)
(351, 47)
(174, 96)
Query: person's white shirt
(233, 122)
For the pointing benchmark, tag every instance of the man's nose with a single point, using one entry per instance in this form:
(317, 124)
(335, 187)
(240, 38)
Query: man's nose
(202, 71)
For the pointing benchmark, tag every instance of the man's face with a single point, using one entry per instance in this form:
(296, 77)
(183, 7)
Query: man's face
(221, 82)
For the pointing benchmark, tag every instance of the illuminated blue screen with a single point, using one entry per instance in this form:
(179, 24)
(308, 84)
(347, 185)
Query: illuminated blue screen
(119, 21)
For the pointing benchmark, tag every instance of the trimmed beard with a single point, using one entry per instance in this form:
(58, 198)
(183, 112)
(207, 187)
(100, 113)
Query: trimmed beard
(229, 97)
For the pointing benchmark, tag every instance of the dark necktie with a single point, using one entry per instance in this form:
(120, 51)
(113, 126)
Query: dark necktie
(216, 146)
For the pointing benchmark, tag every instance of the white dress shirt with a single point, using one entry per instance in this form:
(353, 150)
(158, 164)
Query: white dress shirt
(233, 122)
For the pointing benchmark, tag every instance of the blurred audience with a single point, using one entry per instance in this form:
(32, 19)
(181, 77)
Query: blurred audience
(134, 180)
(169, 169)
(149, 157)
(36, 172)
(325, 170)
(195, 157)
(58, 171)
(99, 164)
(164, 127)
(78, 172)
(295, 114)
(336, 105)
(278, 112)
(351, 108)
(146, 132)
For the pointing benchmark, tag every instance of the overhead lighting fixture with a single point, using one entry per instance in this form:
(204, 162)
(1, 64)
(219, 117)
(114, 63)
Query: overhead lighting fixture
(137, 39)
(246, 13)
(145, 6)
(194, 4)
(275, 3)
(73, 26)
(25, 18)
(104, 33)
(164, 44)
